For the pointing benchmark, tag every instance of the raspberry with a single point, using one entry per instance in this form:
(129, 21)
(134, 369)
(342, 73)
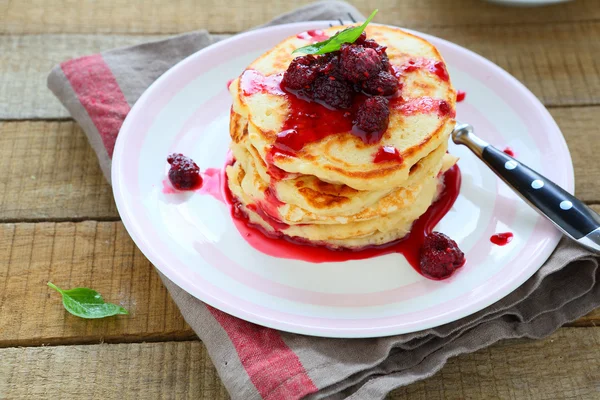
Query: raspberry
(384, 84)
(444, 108)
(184, 174)
(329, 64)
(371, 44)
(440, 256)
(301, 73)
(359, 63)
(373, 115)
(385, 63)
(334, 92)
(362, 38)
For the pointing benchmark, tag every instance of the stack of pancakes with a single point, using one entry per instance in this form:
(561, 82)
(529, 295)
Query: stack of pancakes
(331, 192)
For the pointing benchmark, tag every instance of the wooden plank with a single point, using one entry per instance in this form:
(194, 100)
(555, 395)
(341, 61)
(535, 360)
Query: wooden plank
(591, 319)
(92, 254)
(99, 255)
(52, 172)
(508, 369)
(170, 370)
(156, 16)
(559, 66)
(556, 67)
(563, 366)
(580, 125)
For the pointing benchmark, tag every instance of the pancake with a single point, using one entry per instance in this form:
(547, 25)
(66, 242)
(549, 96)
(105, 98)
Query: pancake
(375, 231)
(416, 128)
(307, 199)
(328, 188)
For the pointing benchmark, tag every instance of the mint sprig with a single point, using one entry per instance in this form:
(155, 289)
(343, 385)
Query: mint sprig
(335, 42)
(87, 303)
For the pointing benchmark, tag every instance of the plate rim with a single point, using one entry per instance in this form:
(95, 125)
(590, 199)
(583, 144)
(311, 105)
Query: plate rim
(275, 323)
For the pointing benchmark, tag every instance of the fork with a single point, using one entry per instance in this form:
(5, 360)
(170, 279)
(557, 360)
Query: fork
(569, 214)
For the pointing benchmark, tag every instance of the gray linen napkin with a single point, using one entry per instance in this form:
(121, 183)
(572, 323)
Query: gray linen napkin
(260, 363)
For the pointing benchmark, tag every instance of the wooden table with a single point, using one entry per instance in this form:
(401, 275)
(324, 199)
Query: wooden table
(58, 220)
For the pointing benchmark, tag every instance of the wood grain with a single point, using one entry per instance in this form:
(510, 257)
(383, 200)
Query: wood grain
(510, 369)
(91, 254)
(170, 370)
(52, 172)
(157, 16)
(560, 66)
(556, 67)
(580, 127)
(563, 366)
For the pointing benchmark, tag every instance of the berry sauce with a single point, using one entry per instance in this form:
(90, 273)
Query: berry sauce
(387, 153)
(460, 96)
(502, 239)
(311, 121)
(229, 82)
(274, 171)
(436, 67)
(314, 35)
(168, 188)
(282, 246)
(509, 151)
(423, 105)
(253, 82)
(212, 179)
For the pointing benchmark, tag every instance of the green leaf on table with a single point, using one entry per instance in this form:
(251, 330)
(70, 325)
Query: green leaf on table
(87, 303)
(335, 42)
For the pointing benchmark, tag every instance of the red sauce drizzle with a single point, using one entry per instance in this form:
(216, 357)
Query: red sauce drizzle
(502, 239)
(314, 35)
(274, 171)
(168, 188)
(436, 67)
(424, 105)
(274, 222)
(212, 180)
(229, 82)
(253, 82)
(460, 95)
(387, 153)
(271, 203)
(509, 151)
(283, 246)
(310, 121)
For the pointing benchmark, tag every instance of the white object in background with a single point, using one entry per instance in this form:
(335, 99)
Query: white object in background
(525, 3)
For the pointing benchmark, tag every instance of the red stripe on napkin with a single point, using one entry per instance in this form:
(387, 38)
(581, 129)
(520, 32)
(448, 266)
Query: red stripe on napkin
(100, 94)
(272, 366)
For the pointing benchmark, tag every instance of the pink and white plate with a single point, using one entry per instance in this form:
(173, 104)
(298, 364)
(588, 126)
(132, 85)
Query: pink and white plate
(191, 239)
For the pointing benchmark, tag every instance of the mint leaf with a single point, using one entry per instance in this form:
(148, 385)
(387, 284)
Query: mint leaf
(335, 42)
(87, 303)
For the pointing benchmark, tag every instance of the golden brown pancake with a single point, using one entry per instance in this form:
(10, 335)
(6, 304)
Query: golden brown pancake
(330, 191)
(415, 128)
